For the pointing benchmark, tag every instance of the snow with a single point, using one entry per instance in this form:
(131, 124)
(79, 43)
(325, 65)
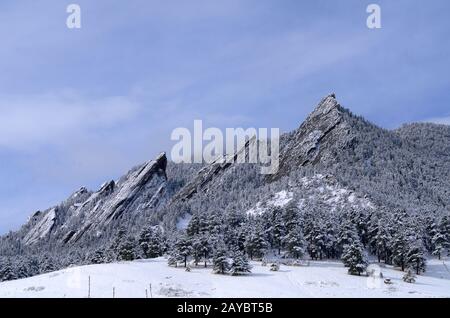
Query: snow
(351, 198)
(317, 187)
(279, 199)
(319, 279)
(42, 228)
(183, 222)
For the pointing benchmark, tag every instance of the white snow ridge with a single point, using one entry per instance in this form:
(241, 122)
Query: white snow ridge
(153, 278)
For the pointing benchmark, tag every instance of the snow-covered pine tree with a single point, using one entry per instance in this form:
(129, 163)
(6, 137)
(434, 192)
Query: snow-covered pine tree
(173, 258)
(182, 249)
(202, 247)
(372, 231)
(151, 242)
(22, 268)
(381, 242)
(118, 239)
(291, 216)
(241, 237)
(239, 264)
(220, 260)
(294, 242)
(47, 264)
(32, 265)
(256, 244)
(277, 230)
(399, 248)
(439, 242)
(360, 219)
(193, 227)
(415, 256)
(127, 249)
(316, 239)
(331, 242)
(7, 271)
(347, 233)
(354, 258)
(98, 257)
(430, 229)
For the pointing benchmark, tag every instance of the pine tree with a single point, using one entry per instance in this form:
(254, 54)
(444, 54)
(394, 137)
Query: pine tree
(151, 242)
(439, 243)
(174, 259)
(315, 234)
(22, 269)
(256, 244)
(430, 229)
(220, 260)
(98, 257)
(182, 249)
(291, 216)
(331, 241)
(47, 264)
(193, 227)
(381, 242)
(360, 220)
(277, 230)
(7, 271)
(399, 249)
(33, 266)
(127, 250)
(201, 248)
(119, 238)
(354, 258)
(347, 234)
(415, 256)
(239, 264)
(295, 243)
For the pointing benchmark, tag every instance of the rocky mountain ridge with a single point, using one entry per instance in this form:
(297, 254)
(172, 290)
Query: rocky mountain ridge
(389, 169)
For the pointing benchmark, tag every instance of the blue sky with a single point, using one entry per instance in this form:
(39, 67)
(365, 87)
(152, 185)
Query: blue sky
(79, 107)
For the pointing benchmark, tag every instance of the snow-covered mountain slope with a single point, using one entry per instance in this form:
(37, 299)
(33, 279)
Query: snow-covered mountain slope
(136, 279)
(318, 188)
(89, 213)
(408, 168)
(279, 199)
(334, 162)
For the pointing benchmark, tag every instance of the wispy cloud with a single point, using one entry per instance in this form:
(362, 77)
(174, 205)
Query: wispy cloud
(81, 106)
(30, 122)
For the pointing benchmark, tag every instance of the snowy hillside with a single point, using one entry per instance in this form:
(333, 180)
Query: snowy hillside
(319, 279)
(346, 190)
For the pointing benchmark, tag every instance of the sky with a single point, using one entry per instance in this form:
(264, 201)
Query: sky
(82, 106)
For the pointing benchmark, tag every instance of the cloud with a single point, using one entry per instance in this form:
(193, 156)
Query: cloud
(30, 122)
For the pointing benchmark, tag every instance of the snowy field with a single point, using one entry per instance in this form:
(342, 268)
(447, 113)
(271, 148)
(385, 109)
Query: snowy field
(319, 279)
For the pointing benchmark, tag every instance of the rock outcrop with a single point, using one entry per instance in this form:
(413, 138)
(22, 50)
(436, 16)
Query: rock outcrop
(323, 130)
(85, 212)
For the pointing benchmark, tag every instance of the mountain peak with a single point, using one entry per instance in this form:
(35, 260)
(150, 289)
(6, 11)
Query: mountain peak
(324, 127)
(325, 106)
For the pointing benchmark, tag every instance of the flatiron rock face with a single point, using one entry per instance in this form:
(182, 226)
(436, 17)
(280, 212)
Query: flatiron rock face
(323, 130)
(90, 213)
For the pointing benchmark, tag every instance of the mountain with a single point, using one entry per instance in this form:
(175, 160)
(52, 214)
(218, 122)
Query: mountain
(334, 162)
(408, 167)
(87, 213)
